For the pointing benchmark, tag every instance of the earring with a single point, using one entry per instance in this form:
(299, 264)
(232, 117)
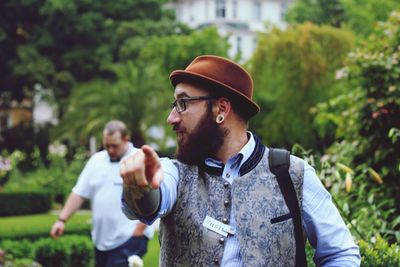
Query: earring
(220, 118)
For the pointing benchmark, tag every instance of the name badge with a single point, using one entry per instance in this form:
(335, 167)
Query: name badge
(217, 226)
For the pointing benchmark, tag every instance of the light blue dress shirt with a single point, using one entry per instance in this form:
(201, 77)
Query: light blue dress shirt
(326, 231)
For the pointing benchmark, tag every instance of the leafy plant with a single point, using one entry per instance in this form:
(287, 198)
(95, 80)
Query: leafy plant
(359, 195)
(367, 123)
(293, 70)
(58, 177)
(379, 253)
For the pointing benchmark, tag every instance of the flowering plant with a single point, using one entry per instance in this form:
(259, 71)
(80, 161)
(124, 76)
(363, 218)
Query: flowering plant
(5, 166)
(7, 163)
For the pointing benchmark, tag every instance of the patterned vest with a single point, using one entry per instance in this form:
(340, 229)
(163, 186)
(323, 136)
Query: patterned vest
(264, 227)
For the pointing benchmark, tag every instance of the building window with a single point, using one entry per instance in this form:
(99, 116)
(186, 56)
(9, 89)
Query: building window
(238, 45)
(234, 8)
(220, 8)
(257, 10)
(284, 9)
(206, 10)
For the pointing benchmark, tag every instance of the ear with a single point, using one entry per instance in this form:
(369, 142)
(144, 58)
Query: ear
(222, 106)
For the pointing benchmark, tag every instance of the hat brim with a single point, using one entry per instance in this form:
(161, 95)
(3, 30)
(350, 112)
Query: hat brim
(247, 106)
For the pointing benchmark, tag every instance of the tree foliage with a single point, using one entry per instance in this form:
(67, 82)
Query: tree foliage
(140, 94)
(359, 16)
(58, 44)
(329, 12)
(293, 70)
(68, 46)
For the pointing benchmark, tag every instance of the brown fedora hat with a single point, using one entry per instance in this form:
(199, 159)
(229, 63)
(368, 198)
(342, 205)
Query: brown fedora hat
(222, 77)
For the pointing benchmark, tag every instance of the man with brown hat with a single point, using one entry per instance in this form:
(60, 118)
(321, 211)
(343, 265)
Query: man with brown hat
(219, 202)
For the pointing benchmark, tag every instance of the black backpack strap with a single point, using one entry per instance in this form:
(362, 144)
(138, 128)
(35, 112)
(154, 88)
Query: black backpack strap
(279, 163)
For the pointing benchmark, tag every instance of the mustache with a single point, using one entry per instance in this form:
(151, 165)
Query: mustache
(177, 128)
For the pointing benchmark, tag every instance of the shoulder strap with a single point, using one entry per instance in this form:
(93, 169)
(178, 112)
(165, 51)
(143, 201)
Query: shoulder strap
(279, 163)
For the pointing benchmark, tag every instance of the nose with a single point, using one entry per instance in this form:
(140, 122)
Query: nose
(110, 150)
(173, 117)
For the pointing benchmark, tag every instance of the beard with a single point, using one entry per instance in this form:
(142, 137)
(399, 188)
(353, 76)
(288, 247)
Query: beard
(204, 142)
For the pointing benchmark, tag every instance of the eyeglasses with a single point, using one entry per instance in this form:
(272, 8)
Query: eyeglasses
(180, 103)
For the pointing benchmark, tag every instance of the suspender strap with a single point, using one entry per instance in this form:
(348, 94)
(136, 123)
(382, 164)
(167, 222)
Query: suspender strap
(279, 163)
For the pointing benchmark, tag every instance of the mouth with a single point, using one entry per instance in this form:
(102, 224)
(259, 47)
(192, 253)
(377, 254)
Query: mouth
(178, 130)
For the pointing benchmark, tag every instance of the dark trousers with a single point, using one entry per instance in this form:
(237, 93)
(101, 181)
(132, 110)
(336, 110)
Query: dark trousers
(136, 245)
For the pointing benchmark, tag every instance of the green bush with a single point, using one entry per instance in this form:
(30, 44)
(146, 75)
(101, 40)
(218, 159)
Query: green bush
(57, 176)
(367, 134)
(52, 253)
(81, 250)
(16, 203)
(67, 251)
(18, 249)
(379, 253)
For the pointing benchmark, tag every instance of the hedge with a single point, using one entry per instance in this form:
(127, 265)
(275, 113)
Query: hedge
(67, 251)
(19, 203)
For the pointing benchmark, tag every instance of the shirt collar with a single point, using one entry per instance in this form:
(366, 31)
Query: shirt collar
(238, 159)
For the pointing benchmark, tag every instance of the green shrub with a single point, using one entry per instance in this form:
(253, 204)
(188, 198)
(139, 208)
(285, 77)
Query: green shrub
(16, 203)
(67, 251)
(58, 176)
(379, 253)
(52, 253)
(367, 134)
(18, 249)
(81, 250)
(73, 250)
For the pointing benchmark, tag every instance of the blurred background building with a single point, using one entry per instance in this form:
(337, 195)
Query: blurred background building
(238, 20)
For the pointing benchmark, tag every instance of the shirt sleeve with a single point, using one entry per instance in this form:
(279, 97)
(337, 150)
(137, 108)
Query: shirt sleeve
(325, 228)
(168, 189)
(82, 186)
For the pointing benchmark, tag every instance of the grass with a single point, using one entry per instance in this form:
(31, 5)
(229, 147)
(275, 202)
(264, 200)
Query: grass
(150, 259)
(39, 225)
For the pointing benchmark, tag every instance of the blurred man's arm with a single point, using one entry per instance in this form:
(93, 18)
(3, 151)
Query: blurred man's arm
(139, 230)
(74, 202)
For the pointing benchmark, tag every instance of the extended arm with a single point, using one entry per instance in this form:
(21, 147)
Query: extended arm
(142, 175)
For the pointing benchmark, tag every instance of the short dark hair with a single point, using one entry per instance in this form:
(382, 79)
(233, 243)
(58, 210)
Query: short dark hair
(116, 126)
(235, 107)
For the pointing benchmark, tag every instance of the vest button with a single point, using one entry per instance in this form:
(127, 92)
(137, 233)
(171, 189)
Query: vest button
(225, 220)
(226, 184)
(226, 203)
(216, 261)
(221, 240)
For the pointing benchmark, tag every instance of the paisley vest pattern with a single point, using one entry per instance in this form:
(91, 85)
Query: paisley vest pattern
(264, 230)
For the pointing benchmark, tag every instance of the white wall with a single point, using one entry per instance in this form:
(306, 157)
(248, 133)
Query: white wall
(199, 12)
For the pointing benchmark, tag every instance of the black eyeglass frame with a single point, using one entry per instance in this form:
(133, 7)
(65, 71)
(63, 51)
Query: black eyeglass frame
(180, 103)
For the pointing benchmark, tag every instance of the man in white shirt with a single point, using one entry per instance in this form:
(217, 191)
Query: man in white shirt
(115, 237)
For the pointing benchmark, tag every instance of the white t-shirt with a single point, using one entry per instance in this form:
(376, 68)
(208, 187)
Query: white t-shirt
(101, 183)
